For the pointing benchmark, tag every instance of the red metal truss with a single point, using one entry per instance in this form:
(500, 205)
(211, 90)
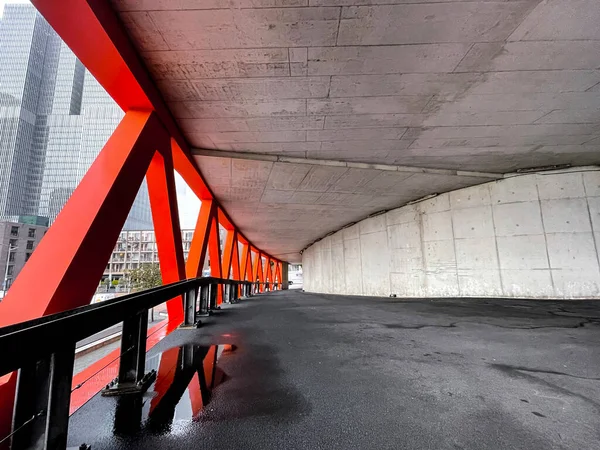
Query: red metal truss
(230, 244)
(64, 271)
(235, 264)
(165, 216)
(279, 275)
(257, 267)
(214, 254)
(235, 260)
(65, 268)
(268, 270)
(246, 263)
(199, 244)
(95, 34)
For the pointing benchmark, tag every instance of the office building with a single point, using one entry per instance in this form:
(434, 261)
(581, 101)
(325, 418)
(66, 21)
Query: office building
(54, 120)
(17, 243)
(134, 248)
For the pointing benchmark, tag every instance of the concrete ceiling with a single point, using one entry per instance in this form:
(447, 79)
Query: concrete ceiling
(480, 86)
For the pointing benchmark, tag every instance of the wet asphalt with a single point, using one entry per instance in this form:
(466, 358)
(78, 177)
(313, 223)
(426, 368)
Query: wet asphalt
(313, 371)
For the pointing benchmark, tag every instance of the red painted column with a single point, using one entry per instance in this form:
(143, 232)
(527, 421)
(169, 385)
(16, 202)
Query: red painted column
(256, 264)
(235, 263)
(230, 241)
(64, 270)
(165, 216)
(199, 244)
(214, 253)
(279, 271)
(259, 269)
(246, 263)
(268, 271)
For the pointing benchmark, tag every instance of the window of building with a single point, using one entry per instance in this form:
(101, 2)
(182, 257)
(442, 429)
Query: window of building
(8, 282)
(10, 270)
(12, 242)
(11, 257)
(31, 233)
(29, 245)
(14, 231)
(27, 256)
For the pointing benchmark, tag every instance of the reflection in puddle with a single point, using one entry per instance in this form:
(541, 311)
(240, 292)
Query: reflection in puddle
(186, 377)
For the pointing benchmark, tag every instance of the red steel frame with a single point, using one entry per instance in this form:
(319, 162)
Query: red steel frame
(64, 271)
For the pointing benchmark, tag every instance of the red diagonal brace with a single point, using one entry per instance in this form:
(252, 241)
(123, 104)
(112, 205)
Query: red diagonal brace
(199, 244)
(214, 254)
(165, 215)
(64, 270)
(230, 243)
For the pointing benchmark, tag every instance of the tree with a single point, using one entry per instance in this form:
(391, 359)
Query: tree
(146, 276)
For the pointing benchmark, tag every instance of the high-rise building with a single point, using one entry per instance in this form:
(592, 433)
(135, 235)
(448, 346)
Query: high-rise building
(17, 243)
(54, 120)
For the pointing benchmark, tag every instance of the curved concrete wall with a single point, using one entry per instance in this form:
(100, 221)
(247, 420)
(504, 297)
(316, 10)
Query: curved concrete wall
(525, 236)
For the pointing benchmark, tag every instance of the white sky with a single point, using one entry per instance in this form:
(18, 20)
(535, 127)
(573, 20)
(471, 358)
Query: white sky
(187, 203)
(5, 2)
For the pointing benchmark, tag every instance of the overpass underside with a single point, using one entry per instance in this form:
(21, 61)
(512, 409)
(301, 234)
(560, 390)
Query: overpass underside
(394, 147)
(309, 116)
(471, 89)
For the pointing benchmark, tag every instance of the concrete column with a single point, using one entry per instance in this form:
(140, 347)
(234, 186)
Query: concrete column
(284, 275)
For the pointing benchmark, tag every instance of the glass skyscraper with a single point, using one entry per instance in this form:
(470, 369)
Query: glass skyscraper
(54, 120)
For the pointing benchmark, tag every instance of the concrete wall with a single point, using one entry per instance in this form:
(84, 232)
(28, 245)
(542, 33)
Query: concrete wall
(524, 236)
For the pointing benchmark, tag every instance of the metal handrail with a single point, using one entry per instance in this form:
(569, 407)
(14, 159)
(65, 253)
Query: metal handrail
(43, 351)
(33, 339)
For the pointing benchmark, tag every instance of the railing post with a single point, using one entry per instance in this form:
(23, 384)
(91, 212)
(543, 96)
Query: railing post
(226, 292)
(204, 299)
(61, 375)
(132, 364)
(212, 298)
(235, 291)
(189, 309)
(41, 415)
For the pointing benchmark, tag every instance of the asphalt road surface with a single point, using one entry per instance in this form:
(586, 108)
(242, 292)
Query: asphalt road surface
(337, 372)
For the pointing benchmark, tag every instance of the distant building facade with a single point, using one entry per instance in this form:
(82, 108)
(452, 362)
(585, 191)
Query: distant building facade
(54, 120)
(134, 248)
(17, 243)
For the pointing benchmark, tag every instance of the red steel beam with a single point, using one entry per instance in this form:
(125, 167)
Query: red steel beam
(165, 216)
(235, 260)
(94, 32)
(230, 241)
(246, 263)
(199, 244)
(214, 254)
(256, 267)
(64, 270)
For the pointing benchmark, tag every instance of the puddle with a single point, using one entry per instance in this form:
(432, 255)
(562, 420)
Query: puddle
(186, 377)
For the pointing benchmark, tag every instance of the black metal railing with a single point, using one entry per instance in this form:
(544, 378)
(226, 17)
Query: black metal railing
(43, 352)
